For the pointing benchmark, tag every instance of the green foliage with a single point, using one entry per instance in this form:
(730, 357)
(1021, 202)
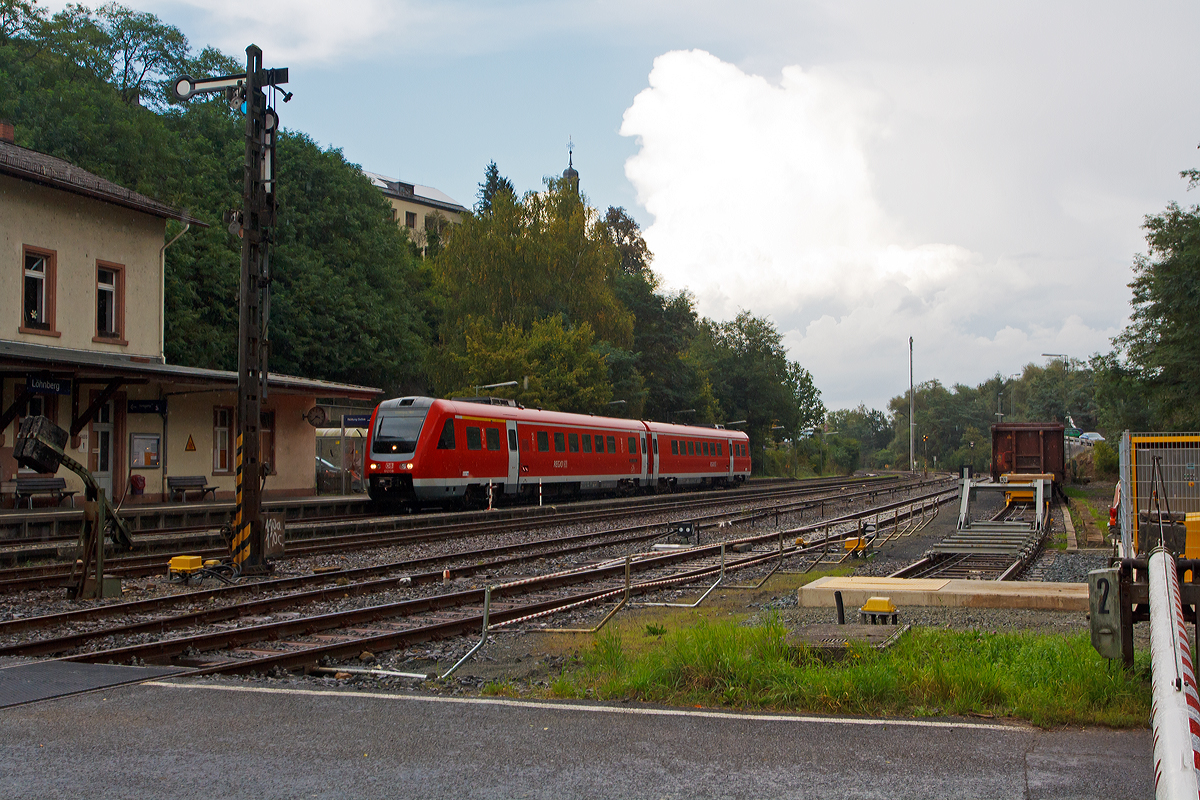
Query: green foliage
(1048, 680)
(1161, 340)
(564, 370)
(752, 379)
(527, 260)
(347, 294)
(1106, 460)
(493, 184)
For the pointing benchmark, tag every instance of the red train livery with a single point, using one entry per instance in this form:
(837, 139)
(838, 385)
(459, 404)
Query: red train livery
(422, 450)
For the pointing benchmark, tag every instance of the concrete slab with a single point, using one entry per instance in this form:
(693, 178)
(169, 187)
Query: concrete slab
(966, 593)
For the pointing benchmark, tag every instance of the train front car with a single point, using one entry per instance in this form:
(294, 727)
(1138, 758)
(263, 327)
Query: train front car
(393, 439)
(691, 456)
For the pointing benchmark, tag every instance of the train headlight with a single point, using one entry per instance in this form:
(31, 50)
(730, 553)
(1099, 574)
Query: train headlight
(409, 465)
(374, 465)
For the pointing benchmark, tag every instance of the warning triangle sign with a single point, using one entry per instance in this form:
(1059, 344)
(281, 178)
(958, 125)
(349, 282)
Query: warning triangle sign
(191, 445)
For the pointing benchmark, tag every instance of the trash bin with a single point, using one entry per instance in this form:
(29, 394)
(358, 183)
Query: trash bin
(137, 484)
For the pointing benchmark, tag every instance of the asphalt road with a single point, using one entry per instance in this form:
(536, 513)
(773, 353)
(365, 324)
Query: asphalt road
(229, 739)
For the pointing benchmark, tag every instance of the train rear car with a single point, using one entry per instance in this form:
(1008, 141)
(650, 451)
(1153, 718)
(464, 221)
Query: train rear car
(1028, 449)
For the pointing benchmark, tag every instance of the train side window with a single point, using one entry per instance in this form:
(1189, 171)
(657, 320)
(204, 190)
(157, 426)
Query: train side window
(587, 443)
(560, 443)
(674, 447)
(612, 444)
(474, 440)
(691, 448)
(512, 440)
(493, 438)
(633, 446)
(599, 443)
(573, 442)
(543, 442)
(655, 446)
(446, 440)
(720, 449)
(704, 448)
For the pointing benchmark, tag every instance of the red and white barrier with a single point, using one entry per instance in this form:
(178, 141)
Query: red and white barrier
(1176, 703)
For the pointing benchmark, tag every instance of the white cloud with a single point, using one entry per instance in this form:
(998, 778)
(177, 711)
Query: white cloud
(763, 198)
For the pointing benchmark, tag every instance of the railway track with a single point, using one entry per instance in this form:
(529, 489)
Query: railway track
(1001, 557)
(301, 641)
(305, 527)
(795, 499)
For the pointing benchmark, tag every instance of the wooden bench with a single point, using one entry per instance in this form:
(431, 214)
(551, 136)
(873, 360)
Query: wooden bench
(26, 486)
(183, 484)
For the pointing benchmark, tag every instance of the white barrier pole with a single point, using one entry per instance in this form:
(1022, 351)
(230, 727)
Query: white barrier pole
(1176, 704)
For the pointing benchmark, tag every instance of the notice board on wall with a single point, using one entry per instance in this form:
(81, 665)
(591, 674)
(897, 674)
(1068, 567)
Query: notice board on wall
(143, 450)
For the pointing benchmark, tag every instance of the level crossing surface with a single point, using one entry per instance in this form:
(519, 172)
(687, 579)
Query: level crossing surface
(217, 739)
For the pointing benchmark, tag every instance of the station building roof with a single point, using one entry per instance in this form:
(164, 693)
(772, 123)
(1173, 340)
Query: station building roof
(22, 355)
(46, 170)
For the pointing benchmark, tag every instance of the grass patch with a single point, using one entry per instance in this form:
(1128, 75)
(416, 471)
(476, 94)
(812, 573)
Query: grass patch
(1048, 680)
(501, 688)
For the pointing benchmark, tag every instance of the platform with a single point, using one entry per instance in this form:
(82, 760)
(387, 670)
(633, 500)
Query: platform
(943, 592)
(42, 680)
(52, 525)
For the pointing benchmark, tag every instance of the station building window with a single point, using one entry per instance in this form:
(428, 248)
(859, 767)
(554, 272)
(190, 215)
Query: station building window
(38, 292)
(222, 423)
(110, 302)
(410, 219)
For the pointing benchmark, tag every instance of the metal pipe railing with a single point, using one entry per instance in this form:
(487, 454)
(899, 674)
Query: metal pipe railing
(1175, 700)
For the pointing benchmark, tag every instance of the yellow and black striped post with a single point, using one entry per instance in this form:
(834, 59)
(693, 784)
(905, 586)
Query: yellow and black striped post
(241, 528)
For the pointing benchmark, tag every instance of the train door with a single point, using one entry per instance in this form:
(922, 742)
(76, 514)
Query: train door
(729, 444)
(514, 458)
(655, 465)
(645, 458)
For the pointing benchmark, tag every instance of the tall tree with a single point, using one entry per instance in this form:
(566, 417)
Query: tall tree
(626, 235)
(1162, 339)
(493, 183)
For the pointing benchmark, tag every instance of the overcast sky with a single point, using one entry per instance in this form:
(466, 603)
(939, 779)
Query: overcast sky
(973, 175)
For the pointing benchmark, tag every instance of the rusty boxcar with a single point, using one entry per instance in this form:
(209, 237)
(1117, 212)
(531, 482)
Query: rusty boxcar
(1029, 448)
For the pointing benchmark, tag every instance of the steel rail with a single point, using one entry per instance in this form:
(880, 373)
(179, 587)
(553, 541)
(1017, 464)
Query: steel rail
(157, 651)
(128, 566)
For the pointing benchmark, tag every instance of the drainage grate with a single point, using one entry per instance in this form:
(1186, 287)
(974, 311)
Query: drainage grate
(42, 680)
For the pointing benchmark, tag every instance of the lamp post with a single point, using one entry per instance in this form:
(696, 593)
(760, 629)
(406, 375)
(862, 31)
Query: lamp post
(1012, 396)
(495, 386)
(999, 407)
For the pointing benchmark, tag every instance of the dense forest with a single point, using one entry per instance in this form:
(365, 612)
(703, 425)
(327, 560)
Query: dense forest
(539, 288)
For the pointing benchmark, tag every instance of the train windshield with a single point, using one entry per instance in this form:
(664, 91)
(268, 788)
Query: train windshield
(397, 429)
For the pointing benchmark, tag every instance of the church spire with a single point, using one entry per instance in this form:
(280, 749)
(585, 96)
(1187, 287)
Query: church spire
(570, 175)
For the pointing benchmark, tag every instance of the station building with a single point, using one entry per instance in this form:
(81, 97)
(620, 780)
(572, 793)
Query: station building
(418, 208)
(81, 342)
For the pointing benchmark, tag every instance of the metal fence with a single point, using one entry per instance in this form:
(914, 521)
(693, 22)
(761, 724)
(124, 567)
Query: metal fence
(1178, 455)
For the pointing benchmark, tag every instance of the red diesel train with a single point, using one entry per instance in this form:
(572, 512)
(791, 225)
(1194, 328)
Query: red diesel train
(424, 451)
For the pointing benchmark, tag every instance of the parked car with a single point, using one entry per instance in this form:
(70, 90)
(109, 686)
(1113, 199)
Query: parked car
(1091, 436)
(329, 478)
